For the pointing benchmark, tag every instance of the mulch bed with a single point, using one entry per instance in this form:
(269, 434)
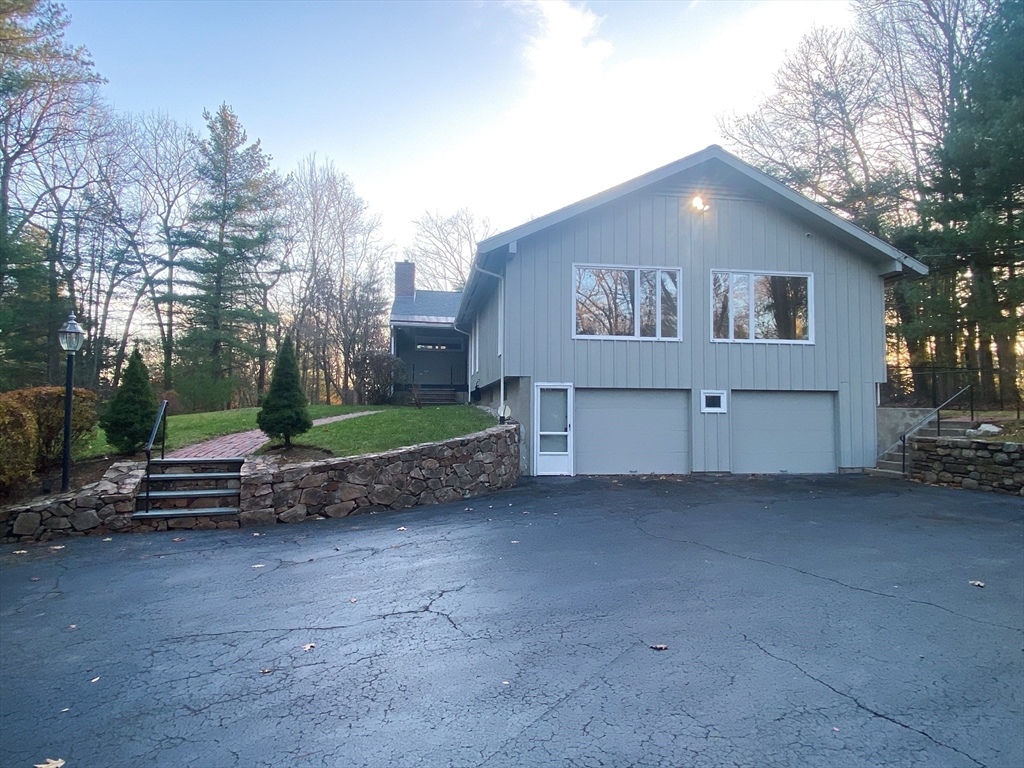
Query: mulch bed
(47, 483)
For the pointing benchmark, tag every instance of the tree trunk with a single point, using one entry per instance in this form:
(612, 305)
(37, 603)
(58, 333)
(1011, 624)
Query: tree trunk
(917, 350)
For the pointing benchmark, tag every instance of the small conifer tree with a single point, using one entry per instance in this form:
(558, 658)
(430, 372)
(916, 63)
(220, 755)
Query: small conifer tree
(128, 419)
(284, 412)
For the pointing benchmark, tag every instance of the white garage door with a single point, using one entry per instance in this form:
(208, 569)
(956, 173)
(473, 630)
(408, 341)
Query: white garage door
(774, 432)
(624, 431)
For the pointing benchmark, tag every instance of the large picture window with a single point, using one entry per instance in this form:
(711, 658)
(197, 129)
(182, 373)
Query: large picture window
(750, 306)
(619, 302)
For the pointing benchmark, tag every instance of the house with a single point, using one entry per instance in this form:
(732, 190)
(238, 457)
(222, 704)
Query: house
(700, 318)
(424, 338)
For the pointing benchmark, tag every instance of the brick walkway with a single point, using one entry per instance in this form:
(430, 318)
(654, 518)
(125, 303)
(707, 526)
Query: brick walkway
(243, 443)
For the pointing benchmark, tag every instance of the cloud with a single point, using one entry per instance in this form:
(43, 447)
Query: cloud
(592, 114)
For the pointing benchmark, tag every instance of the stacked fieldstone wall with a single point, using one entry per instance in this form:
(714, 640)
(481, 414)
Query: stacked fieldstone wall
(977, 465)
(97, 508)
(433, 473)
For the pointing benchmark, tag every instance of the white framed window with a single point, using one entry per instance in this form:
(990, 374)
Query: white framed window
(448, 346)
(625, 302)
(768, 307)
(713, 401)
(474, 347)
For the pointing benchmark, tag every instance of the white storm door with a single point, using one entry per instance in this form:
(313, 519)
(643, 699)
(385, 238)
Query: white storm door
(552, 429)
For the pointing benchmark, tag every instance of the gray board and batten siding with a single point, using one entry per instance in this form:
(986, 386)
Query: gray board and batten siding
(656, 226)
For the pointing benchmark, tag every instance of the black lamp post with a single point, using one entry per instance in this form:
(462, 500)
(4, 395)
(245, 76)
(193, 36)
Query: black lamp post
(71, 338)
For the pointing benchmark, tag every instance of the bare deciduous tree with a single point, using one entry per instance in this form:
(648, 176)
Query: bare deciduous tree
(444, 247)
(334, 288)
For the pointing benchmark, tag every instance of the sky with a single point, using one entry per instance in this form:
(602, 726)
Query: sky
(510, 109)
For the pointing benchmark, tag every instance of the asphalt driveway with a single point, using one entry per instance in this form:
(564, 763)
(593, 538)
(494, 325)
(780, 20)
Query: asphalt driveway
(808, 622)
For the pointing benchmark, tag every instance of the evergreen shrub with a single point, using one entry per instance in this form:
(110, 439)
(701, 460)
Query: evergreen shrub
(128, 419)
(284, 413)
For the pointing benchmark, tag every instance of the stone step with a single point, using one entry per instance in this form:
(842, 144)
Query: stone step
(196, 512)
(195, 466)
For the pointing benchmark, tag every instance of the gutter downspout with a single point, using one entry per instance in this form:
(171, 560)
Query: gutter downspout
(501, 338)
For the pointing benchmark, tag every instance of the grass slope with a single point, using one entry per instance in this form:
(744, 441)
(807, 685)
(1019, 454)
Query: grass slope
(397, 428)
(192, 428)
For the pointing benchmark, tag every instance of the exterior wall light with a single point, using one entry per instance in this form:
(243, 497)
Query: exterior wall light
(699, 204)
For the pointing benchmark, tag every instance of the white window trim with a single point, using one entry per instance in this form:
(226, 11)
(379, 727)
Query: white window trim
(636, 313)
(703, 401)
(732, 306)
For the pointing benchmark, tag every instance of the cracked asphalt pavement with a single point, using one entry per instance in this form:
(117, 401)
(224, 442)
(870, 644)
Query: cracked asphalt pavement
(821, 621)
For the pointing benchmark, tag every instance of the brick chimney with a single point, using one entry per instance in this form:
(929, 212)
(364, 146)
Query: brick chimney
(405, 279)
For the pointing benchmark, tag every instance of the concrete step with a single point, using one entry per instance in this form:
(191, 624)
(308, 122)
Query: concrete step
(875, 472)
(197, 512)
(946, 432)
(169, 476)
(891, 465)
(198, 493)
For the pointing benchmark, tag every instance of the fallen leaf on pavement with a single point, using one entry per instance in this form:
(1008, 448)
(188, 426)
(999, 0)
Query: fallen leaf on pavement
(659, 647)
(515, 541)
(266, 671)
(977, 583)
(56, 547)
(34, 578)
(258, 566)
(835, 729)
(108, 539)
(178, 538)
(352, 600)
(21, 551)
(72, 626)
(66, 709)
(51, 763)
(256, 534)
(403, 528)
(309, 646)
(94, 679)
(337, 549)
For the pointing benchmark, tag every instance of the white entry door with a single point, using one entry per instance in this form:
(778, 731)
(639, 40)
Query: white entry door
(552, 429)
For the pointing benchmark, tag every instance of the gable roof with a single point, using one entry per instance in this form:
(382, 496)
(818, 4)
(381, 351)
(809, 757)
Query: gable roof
(426, 308)
(713, 157)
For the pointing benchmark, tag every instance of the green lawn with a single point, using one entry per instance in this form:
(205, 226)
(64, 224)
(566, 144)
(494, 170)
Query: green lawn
(396, 427)
(192, 428)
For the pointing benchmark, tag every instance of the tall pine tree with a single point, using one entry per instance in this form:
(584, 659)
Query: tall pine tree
(284, 413)
(236, 225)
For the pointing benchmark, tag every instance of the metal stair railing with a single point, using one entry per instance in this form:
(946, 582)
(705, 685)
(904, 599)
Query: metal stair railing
(160, 420)
(938, 424)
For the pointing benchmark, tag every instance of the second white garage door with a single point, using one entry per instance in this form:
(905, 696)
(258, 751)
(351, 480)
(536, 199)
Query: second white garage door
(627, 431)
(773, 432)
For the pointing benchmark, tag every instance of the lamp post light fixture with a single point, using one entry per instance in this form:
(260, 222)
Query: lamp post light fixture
(71, 338)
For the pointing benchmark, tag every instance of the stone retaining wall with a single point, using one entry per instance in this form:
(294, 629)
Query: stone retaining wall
(977, 465)
(96, 508)
(432, 473)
